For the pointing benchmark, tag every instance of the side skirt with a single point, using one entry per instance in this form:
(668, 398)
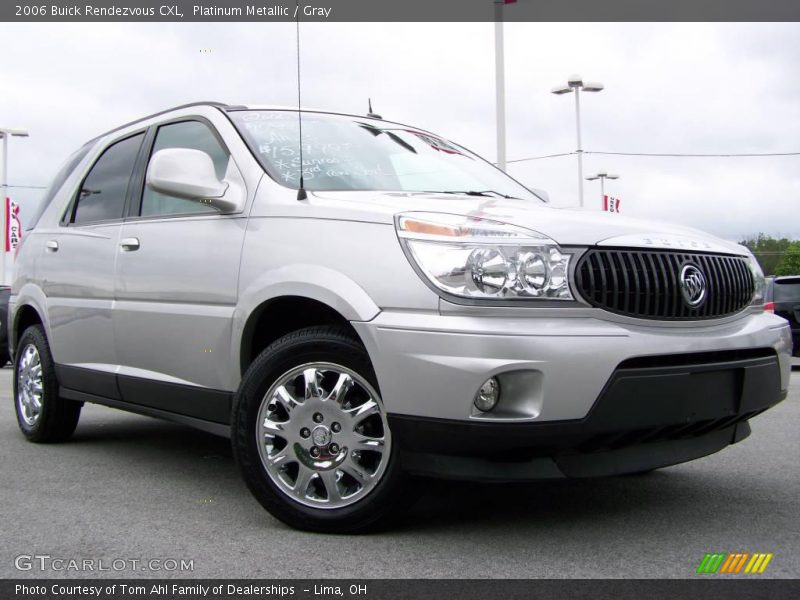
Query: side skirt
(208, 426)
(202, 408)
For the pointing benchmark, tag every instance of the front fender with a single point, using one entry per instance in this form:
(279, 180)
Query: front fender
(314, 282)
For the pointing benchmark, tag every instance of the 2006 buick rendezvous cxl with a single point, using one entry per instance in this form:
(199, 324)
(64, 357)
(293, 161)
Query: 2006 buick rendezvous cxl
(410, 310)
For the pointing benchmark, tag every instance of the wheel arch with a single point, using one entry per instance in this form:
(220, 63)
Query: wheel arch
(281, 302)
(27, 311)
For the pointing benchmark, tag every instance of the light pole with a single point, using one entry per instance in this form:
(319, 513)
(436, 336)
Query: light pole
(602, 176)
(500, 81)
(576, 84)
(5, 133)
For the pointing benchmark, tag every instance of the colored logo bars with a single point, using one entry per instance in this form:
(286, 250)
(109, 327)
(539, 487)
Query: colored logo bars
(734, 563)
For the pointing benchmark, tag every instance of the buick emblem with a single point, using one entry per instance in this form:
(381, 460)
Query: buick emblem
(321, 436)
(693, 285)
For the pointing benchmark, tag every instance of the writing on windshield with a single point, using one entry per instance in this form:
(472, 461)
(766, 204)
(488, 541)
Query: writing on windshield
(348, 153)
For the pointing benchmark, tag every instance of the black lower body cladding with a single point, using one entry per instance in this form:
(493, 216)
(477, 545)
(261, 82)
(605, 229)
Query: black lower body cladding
(653, 412)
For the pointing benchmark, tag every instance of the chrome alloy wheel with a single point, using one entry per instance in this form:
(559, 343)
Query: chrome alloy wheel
(29, 385)
(322, 435)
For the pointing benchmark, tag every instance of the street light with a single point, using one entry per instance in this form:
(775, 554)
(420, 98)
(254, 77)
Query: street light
(5, 133)
(576, 84)
(602, 176)
(500, 81)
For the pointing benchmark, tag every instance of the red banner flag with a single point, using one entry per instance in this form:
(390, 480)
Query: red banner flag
(13, 225)
(611, 204)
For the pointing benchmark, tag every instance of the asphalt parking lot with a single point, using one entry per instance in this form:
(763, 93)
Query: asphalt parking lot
(130, 487)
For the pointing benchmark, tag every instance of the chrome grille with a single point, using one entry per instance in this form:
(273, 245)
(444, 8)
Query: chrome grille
(646, 283)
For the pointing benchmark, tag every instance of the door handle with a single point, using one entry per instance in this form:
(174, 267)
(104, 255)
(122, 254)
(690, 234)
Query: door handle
(129, 244)
(52, 246)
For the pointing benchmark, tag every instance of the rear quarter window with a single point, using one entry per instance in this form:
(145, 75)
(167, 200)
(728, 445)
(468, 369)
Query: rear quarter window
(58, 181)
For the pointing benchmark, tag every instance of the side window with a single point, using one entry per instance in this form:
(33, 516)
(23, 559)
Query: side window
(187, 134)
(57, 182)
(103, 191)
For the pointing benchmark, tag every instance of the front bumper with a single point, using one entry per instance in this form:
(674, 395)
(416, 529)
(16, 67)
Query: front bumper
(647, 416)
(579, 397)
(550, 369)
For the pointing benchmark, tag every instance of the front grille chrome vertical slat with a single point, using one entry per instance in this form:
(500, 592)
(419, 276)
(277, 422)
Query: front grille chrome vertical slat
(723, 284)
(614, 288)
(737, 273)
(626, 281)
(664, 277)
(683, 312)
(728, 283)
(647, 283)
(675, 268)
(745, 298)
(603, 279)
(636, 281)
(646, 279)
(655, 293)
(715, 289)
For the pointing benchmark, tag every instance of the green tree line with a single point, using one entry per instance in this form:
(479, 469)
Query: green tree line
(776, 256)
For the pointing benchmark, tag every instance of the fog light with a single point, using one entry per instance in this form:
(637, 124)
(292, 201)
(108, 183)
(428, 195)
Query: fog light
(488, 394)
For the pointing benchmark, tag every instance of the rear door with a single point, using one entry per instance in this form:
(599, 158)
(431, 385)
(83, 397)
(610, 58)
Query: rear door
(77, 272)
(176, 288)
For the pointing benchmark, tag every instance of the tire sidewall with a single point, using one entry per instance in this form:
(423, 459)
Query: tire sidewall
(287, 353)
(35, 335)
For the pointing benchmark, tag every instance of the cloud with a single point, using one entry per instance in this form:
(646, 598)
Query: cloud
(669, 88)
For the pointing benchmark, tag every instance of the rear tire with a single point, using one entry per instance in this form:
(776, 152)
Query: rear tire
(310, 436)
(42, 415)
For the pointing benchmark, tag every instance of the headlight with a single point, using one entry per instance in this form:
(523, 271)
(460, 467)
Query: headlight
(760, 283)
(478, 258)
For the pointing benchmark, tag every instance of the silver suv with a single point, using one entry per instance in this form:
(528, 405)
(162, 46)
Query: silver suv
(387, 306)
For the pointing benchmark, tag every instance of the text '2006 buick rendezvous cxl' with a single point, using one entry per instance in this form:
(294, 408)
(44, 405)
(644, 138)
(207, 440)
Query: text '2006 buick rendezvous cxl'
(410, 310)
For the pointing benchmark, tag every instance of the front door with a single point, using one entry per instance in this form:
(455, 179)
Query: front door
(176, 289)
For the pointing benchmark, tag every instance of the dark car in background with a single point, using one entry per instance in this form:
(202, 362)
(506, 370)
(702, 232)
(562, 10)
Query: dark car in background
(5, 292)
(783, 298)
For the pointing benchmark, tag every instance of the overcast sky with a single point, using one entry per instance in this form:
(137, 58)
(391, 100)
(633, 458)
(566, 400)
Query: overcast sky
(686, 88)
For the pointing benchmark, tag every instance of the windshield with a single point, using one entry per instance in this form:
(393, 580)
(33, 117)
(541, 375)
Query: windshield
(351, 153)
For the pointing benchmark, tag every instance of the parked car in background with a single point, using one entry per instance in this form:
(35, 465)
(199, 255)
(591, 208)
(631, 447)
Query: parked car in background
(410, 311)
(783, 298)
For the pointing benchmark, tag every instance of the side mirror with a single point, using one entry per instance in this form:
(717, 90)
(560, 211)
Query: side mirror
(542, 194)
(190, 174)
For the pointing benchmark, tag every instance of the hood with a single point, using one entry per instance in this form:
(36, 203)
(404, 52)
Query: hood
(566, 226)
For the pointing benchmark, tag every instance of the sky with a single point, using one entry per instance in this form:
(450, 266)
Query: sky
(669, 88)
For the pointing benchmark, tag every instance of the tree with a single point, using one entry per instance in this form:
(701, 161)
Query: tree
(790, 261)
(768, 250)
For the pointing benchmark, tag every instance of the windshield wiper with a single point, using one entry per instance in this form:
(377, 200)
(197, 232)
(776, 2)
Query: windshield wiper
(481, 193)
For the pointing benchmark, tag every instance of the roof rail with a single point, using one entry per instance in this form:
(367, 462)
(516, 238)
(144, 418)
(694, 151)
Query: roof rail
(219, 105)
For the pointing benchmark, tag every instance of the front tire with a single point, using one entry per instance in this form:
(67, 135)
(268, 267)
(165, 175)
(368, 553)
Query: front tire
(42, 415)
(310, 435)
